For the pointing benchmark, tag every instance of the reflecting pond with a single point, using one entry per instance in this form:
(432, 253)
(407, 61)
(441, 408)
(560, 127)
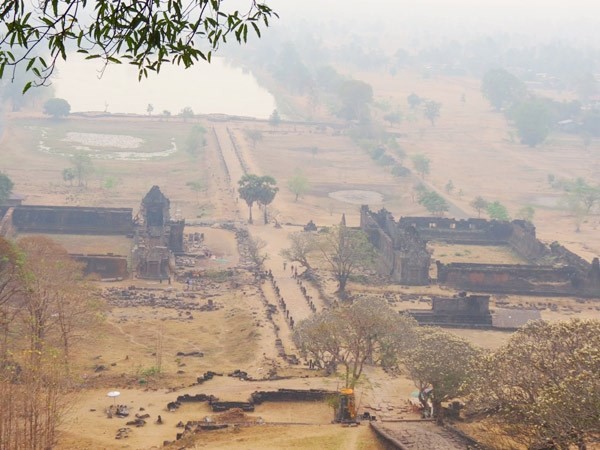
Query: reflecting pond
(207, 88)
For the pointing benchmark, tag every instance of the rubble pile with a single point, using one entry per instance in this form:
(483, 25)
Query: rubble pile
(172, 299)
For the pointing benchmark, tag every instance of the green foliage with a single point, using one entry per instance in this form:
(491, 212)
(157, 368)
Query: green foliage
(145, 33)
(253, 188)
(195, 140)
(149, 109)
(441, 361)
(543, 384)
(431, 111)
(254, 136)
(394, 118)
(187, 113)
(433, 202)
(400, 171)
(68, 175)
(414, 100)
(533, 119)
(449, 187)
(249, 186)
(502, 88)
(149, 372)
(83, 167)
(497, 211)
(298, 184)
(57, 107)
(355, 97)
(6, 187)
(479, 204)
(346, 251)
(110, 182)
(526, 213)
(421, 164)
(581, 198)
(366, 331)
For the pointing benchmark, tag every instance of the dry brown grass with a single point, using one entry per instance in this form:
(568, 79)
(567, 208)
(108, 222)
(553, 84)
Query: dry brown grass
(470, 145)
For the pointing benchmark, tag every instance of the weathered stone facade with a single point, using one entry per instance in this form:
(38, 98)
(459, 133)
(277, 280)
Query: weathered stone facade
(472, 311)
(157, 237)
(403, 255)
(72, 220)
(550, 269)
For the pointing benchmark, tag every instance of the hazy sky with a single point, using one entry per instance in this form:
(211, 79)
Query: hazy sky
(532, 16)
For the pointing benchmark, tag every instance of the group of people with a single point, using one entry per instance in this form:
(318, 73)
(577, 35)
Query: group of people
(289, 319)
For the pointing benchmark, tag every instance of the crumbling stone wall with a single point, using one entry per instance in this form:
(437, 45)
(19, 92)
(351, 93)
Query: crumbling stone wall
(403, 255)
(552, 270)
(105, 266)
(524, 241)
(72, 220)
(511, 278)
(460, 310)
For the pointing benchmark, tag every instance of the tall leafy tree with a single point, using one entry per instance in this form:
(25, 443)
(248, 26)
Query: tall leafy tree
(366, 331)
(266, 193)
(249, 190)
(355, 97)
(57, 107)
(497, 211)
(83, 166)
(502, 88)
(298, 184)
(421, 163)
(145, 33)
(542, 387)
(431, 110)
(479, 204)
(440, 364)
(533, 119)
(433, 202)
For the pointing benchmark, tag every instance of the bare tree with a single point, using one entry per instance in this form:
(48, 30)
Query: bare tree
(58, 304)
(346, 251)
(10, 288)
(255, 247)
(302, 245)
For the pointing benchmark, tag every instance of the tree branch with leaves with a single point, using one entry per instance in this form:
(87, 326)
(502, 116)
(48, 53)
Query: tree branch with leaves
(144, 33)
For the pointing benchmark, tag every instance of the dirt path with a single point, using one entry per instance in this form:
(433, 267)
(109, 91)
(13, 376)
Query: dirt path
(290, 289)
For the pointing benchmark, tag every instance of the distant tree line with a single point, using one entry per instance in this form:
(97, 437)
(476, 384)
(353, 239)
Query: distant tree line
(534, 116)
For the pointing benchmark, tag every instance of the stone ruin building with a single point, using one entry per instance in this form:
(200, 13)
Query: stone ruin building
(472, 311)
(550, 269)
(155, 236)
(462, 310)
(403, 255)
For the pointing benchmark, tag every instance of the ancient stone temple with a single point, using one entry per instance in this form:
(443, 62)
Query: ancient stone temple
(402, 253)
(548, 269)
(462, 310)
(157, 237)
